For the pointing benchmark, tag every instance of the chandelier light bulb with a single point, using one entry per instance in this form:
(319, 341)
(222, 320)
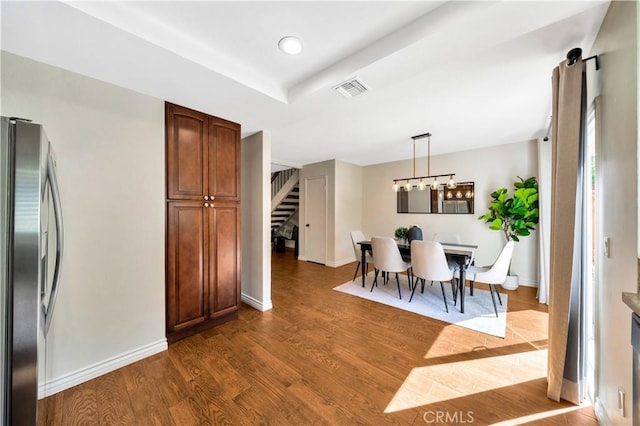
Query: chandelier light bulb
(421, 185)
(408, 186)
(395, 186)
(434, 184)
(452, 183)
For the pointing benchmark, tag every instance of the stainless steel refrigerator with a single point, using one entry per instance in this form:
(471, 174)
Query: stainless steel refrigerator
(31, 236)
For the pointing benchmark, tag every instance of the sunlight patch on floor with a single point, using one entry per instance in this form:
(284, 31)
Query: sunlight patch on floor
(454, 340)
(532, 325)
(441, 382)
(543, 415)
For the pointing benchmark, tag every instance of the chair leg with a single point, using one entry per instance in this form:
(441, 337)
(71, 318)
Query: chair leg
(375, 280)
(471, 288)
(498, 293)
(356, 273)
(493, 299)
(444, 297)
(398, 281)
(414, 289)
(423, 283)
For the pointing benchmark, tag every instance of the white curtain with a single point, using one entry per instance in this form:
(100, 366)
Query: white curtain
(544, 224)
(566, 367)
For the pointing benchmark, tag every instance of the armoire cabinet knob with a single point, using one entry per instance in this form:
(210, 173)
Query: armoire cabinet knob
(206, 204)
(206, 197)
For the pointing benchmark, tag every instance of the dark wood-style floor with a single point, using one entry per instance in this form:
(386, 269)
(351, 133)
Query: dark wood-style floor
(324, 357)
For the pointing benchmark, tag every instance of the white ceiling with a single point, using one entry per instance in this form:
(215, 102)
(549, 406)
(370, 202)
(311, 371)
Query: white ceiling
(473, 73)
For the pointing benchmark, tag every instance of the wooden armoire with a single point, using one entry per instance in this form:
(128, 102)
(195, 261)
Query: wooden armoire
(203, 221)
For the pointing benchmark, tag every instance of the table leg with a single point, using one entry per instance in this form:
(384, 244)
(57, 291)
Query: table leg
(363, 265)
(461, 291)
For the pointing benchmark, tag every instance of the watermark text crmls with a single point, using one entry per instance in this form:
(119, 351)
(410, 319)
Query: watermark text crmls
(448, 417)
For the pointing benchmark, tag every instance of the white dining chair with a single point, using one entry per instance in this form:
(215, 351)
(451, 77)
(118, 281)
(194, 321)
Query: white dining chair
(450, 238)
(356, 237)
(428, 262)
(494, 274)
(453, 238)
(387, 258)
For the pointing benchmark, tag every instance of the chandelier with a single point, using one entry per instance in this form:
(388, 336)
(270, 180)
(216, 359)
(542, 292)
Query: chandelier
(422, 182)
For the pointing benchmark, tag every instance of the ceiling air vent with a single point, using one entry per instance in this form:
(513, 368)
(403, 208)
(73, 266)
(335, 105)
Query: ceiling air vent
(351, 88)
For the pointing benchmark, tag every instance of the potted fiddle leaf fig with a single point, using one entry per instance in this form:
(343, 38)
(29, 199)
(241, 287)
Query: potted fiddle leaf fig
(515, 215)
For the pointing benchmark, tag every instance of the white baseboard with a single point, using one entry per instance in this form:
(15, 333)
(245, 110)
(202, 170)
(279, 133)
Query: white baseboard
(67, 381)
(334, 264)
(528, 283)
(341, 262)
(256, 304)
(601, 412)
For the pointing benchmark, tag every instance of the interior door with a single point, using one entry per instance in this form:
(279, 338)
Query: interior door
(316, 219)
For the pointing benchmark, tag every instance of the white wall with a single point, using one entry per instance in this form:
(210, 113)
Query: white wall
(490, 168)
(256, 221)
(348, 210)
(110, 155)
(616, 44)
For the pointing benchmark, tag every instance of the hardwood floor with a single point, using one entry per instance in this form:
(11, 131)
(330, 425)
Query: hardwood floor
(324, 357)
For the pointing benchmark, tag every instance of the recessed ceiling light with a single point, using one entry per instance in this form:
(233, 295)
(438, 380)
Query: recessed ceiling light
(290, 45)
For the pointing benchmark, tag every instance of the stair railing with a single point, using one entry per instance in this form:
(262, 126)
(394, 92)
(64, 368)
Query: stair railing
(284, 191)
(279, 179)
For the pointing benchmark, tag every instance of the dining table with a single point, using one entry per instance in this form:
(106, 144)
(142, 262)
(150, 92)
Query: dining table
(459, 253)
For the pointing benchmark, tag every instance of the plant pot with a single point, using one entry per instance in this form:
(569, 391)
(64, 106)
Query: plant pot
(415, 233)
(511, 283)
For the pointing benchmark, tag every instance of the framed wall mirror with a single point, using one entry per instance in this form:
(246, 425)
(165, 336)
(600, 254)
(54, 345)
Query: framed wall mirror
(441, 200)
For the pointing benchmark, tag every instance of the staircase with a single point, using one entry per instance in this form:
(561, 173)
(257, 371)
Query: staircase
(285, 201)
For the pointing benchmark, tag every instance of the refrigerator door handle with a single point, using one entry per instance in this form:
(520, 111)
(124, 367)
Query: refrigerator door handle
(55, 195)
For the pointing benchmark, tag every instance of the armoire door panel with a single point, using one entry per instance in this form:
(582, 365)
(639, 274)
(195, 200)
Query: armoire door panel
(224, 160)
(187, 265)
(224, 221)
(187, 152)
(203, 221)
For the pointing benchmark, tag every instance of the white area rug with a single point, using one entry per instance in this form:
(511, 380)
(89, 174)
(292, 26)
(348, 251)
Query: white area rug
(478, 309)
